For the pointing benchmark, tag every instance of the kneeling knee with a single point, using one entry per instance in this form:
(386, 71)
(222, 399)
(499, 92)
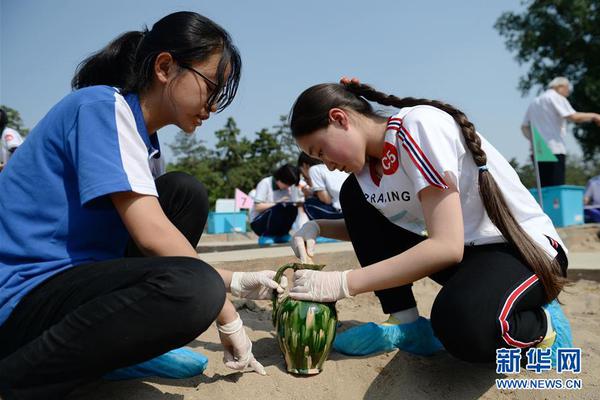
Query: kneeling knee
(195, 291)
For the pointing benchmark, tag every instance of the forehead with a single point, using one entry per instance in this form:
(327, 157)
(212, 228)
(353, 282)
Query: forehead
(312, 142)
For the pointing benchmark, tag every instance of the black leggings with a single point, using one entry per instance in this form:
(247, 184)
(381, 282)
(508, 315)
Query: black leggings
(93, 318)
(491, 299)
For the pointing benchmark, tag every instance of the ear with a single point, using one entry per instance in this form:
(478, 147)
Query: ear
(339, 117)
(163, 64)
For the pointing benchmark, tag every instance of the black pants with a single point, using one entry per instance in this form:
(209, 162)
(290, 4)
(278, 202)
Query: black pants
(316, 209)
(491, 299)
(275, 221)
(93, 318)
(552, 173)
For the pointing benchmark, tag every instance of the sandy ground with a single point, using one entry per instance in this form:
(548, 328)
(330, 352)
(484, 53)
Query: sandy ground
(385, 376)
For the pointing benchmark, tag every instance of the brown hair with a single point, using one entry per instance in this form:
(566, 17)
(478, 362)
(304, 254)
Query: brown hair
(311, 112)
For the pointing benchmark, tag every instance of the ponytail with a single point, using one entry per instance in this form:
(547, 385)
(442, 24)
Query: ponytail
(128, 61)
(112, 66)
(310, 112)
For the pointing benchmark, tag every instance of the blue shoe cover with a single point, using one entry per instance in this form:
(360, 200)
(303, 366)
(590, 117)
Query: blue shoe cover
(416, 338)
(176, 364)
(322, 239)
(561, 326)
(265, 240)
(282, 239)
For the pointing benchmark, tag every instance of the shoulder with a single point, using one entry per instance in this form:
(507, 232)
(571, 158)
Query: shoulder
(94, 94)
(424, 114)
(419, 120)
(317, 169)
(264, 182)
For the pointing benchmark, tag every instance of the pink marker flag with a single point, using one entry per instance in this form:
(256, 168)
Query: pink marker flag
(242, 200)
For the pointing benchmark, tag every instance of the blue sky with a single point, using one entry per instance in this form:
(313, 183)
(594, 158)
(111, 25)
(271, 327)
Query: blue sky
(428, 48)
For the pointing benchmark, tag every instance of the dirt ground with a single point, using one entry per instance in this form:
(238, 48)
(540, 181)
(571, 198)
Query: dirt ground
(392, 375)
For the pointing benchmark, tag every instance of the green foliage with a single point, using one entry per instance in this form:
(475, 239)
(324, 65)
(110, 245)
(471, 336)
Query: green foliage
(14, 120)
(235, 161)
(560, 38)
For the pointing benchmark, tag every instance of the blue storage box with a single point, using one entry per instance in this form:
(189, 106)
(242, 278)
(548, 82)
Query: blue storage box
(563, 204)
(226, 222)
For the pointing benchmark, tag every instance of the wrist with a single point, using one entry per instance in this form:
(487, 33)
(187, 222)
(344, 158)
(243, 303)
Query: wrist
(228, 314)
(347, 284)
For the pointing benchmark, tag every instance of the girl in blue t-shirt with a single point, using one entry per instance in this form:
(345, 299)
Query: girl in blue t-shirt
(98, 267)
(429, 197)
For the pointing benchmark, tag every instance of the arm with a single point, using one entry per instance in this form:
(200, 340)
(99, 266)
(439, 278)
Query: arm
(580, 117)
(155, 235)
(444, 246)
(323, 196)
(333, 228)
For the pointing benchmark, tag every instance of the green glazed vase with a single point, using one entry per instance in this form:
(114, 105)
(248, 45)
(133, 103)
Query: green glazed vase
(305, 329)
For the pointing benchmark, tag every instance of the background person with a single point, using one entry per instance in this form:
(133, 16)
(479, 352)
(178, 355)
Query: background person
(548, 113)
(277, 202)
(10, 139)
(591, 200)
(322, 192)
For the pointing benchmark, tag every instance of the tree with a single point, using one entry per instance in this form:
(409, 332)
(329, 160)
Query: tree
(560, 38)
(235, 161)
(14, 120)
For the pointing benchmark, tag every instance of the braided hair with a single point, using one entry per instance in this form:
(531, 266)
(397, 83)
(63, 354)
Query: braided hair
(311, 112)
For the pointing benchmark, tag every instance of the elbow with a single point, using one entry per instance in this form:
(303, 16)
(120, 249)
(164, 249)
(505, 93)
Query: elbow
(454, 251)
(458, 254)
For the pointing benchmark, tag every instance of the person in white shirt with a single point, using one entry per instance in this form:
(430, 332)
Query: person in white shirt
(428, 196)
(322, 192)
(276, 205)
(591, 200)
(548, 113)
(9, 141)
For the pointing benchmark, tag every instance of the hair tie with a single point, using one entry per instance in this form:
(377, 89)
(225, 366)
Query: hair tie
(483, 168)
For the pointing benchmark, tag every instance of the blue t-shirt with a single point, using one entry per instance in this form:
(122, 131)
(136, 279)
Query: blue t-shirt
(54, 208)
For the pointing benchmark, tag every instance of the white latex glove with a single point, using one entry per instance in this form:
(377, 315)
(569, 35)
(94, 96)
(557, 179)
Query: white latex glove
(238, 347)
(319, 285)
(256, 285)
(303, 242)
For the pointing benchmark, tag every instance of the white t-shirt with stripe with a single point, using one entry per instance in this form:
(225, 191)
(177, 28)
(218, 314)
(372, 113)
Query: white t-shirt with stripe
(424, 143)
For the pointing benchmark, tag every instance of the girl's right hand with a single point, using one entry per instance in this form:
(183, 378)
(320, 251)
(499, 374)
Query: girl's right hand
(303, 242)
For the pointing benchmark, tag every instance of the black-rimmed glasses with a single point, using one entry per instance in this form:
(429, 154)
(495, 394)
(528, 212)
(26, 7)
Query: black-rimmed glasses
(214, 84)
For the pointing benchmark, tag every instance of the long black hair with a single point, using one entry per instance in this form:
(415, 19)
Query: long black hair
(311, 112)
(128, 61)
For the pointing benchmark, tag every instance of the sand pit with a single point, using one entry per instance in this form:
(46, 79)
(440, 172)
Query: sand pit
(393, 375)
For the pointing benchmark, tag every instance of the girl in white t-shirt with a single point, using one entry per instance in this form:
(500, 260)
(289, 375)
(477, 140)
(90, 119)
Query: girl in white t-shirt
(429, 197)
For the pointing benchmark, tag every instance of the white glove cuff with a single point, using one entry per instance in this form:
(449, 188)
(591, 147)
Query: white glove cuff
(236, 286)
(317, 228)
(345, 283)
(231, 327)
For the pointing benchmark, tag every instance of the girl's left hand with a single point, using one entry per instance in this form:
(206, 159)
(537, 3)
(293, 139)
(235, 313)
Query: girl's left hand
(320, 286)
(256, 285)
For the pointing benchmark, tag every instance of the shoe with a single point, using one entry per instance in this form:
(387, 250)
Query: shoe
(561, 337)
(416, 338)
(282, 239)
(265, 240)
(322, 239)
(176, 364)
